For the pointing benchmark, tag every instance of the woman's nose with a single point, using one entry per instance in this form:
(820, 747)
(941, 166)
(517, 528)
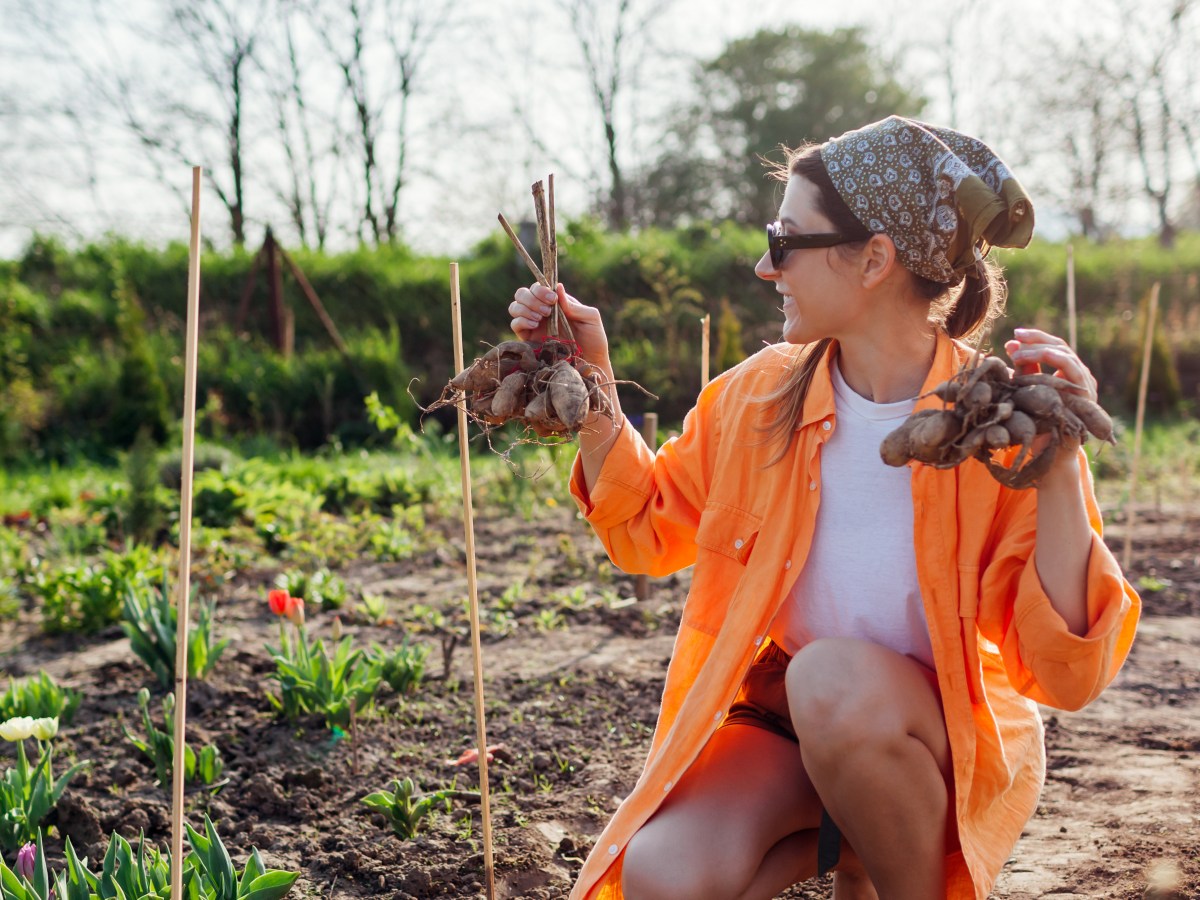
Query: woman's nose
(764, 268)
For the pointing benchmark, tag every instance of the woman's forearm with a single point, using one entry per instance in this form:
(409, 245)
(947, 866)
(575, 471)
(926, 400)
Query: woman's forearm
(1064, 541)
(599, 432)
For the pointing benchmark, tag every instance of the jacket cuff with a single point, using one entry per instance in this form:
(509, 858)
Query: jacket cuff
(1043, 632)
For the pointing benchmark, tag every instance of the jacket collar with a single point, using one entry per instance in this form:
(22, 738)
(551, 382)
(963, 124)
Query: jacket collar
(819, 404)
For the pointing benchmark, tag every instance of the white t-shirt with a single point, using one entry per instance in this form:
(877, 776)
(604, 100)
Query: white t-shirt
(860, 579)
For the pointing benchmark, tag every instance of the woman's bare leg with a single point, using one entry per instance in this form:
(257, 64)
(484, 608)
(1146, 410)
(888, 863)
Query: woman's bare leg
(873, 740)
(723, 832)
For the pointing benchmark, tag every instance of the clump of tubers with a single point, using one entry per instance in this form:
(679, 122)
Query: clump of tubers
(542, 384)
(988, 408)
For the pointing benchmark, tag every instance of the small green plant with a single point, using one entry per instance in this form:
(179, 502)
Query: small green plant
(392, 542)
(312, 681)
(402, 668)
(150, 622)
(159, 747)
(404, 808)
(88, 597)
(39, 697)
(549, 620)
(1152, 584)
(28, 793)
(374, 607)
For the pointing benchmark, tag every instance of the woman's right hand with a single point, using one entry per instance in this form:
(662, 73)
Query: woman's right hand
(531, 308)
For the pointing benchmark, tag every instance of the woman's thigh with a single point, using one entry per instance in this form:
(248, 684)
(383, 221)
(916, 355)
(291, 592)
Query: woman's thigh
(746, 791)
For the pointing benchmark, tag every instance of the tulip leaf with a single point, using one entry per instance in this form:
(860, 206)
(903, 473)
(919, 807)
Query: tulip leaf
(270, 886)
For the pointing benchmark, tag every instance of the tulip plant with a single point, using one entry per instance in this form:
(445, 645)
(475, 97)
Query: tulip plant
(28, 793)
(145, 873)
(39, 697)
(159, 746)
(150, 621)
(313, 681)
(402, 809)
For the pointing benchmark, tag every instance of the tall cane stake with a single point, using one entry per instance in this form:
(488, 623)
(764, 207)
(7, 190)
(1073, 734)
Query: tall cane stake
(705, 327)
(183, 585)
(472, 591)
(1143, 383)
(1072, 329)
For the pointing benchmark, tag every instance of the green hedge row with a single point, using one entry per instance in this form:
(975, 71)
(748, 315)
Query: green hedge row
(78, 328)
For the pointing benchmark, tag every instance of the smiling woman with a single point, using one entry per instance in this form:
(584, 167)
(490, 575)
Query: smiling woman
(854, 684)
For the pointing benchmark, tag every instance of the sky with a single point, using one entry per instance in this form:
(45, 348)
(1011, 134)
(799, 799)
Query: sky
(478, 153)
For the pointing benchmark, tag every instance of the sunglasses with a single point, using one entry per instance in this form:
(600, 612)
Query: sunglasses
(780, 244)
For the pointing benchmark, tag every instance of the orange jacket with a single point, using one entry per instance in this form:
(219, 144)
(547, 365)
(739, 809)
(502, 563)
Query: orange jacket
(709, 499)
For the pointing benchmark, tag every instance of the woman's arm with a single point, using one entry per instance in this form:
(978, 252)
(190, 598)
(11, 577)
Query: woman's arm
(1064, 536)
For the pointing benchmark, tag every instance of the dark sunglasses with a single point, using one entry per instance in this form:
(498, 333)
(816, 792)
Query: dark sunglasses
(780, 243)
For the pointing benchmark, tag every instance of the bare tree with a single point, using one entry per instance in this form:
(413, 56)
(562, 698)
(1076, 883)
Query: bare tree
(612, 38)
(382, 79)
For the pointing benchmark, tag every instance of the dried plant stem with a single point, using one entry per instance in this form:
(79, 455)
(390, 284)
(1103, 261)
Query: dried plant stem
(183, 586)
(516, 242)
(553, 273)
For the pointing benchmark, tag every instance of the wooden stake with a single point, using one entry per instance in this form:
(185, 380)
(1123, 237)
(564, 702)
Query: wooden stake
(472, 591)
(1143, 383)
(183, 585)
(641, 584)
(553, 273)
(705, 325)
(516, 241)
(1072, 333)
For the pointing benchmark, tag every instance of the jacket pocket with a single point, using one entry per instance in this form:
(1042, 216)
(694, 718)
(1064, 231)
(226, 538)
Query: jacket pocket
(727, 530)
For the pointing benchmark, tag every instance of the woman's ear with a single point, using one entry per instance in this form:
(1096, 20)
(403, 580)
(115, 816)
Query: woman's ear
(877, 261)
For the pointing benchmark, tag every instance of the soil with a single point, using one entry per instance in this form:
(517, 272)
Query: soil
(571, 698)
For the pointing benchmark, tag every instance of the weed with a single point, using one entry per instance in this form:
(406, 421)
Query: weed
(404, 808)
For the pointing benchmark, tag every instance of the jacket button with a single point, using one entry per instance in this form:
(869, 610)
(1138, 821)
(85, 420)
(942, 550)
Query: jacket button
(668, 786)
(758, 641)
(717, 716)
(826, 425)
(738, 543)
(612, 851)
(812, 485)
(788, 564)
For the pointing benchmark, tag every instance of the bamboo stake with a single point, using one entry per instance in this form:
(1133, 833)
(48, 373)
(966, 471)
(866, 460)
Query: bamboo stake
(548, 261)
(183, 585)
(472, 591)
(1072, 332)
(705, 326)
(1143, 383)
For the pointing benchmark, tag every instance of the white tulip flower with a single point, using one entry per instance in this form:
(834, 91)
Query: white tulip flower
(17, 728)
(44, 729)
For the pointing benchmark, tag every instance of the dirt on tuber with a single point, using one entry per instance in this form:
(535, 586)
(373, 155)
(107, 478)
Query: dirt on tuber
(543, 385)
(989, 410)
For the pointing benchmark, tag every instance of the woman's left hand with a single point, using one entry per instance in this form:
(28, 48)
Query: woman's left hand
(1031, 349)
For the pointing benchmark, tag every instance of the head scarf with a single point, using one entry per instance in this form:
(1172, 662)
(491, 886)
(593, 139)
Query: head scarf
(942, 197)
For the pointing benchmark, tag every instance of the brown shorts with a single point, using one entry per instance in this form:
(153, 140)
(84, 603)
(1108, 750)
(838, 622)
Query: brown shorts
(762, 699)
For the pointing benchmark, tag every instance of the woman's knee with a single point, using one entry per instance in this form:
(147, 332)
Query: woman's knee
(654, 870)
(845, 693)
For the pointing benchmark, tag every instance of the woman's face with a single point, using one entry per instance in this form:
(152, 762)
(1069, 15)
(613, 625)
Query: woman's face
(812, 282)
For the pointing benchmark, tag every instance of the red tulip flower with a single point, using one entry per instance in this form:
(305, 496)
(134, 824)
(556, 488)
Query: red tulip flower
(280, 601)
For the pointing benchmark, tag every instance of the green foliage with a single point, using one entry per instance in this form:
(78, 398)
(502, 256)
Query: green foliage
(776, 87)
(312, 681)
(402, 668)
(88, 597)
(404, 808)
(206, 457)
(145, 873)
(150, 622)
(28, 793)
(1163, 393)
(140, 399)
(39, 696)
(144, 513)
(159, 747)
(321, 588)
(729, 339)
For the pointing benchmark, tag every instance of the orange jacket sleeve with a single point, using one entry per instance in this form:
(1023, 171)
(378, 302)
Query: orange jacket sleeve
(1044, 660)
(645, 507)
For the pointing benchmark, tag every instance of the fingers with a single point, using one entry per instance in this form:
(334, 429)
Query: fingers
(529, 309)
(1031, 349)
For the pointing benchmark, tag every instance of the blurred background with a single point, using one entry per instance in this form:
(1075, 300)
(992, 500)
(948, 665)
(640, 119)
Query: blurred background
(374, 140)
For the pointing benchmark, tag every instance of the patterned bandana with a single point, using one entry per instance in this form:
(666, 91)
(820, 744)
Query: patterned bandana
(942, 197)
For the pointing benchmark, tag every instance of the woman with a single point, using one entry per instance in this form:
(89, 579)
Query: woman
(855, 680)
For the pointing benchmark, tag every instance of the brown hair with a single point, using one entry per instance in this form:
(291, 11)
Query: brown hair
(964, 309)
